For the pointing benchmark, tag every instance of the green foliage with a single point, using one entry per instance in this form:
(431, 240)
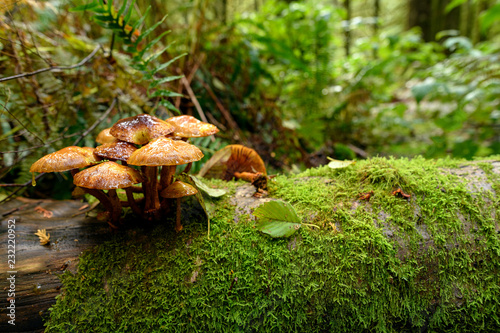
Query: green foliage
(119, 21)
(277, 219)
(48, 111)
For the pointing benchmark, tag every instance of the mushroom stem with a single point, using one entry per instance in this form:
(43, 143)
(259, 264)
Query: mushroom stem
(117, 207)
(246, 176)
(106, 202)
(136, 189)
(150, 187)
(132, 202)
(166, 176)
(178, 225)
(188, 167)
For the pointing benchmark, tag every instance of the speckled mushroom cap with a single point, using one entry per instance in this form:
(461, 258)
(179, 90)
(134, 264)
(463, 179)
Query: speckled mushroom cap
(190, 127)
(104, 137)
(140, 129)
(178, 189)
(230, 159)
(107, 176)
(68, 158)
(164, 151)
(120, 150)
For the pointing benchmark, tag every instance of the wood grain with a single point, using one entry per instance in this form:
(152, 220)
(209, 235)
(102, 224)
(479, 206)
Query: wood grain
(37, 282)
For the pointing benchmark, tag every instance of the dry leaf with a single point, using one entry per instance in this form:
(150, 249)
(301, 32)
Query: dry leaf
(401, 193)
(44, 236)
(46, 213)
(365, 196)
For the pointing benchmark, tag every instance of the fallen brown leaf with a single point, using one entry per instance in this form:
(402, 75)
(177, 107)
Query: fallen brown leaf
(46, 213)
(365, 196)
(401, 193)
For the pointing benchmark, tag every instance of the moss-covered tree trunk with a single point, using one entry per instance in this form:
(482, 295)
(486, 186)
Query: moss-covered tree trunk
(429, 262)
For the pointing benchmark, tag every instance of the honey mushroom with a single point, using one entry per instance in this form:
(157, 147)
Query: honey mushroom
(236, 162)
(178, 190)
(186, 127)
(120, 151)
(167, 153)
(104, 137)
(163, 144)
(140, 130)
(108, 176)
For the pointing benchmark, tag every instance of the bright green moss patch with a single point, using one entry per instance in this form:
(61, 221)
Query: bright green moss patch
(384, 265)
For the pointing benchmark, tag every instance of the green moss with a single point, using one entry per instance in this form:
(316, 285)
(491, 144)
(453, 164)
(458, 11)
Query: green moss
(389, 265)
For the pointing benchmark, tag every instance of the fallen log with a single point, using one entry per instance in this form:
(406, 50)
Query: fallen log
(402, 245)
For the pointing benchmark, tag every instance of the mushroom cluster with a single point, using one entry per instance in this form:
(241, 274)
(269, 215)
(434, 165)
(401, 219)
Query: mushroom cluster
(145, 142)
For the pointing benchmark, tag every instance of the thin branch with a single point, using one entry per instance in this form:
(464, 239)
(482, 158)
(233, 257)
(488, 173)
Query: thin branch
(195, 102)
(55, 68)
(21, 187)
(97, 122)
(40, 146)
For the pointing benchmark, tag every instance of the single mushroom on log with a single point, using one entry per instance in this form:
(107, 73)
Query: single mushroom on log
(178, 190)
(109, 176)
(237, 162)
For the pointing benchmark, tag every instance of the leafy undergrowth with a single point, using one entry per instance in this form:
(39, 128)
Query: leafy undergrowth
(384, 265)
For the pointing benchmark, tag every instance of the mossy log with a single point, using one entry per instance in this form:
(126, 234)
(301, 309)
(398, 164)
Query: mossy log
(376, 263)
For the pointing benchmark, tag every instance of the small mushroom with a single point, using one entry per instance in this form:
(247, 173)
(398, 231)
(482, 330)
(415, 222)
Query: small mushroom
(119, 150)
(166, 153)
(178, 190)
(190, 127)
(104, 137)
(68, 158)
(108, 176)
(140, 129)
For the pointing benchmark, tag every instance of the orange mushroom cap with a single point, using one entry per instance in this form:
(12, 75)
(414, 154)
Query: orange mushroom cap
(68, 158)
(120, 150)
(178, 189)
(230, 159)
(164, 151)
(107, 176)
(105, 137)
(190, 127)
(140, 129)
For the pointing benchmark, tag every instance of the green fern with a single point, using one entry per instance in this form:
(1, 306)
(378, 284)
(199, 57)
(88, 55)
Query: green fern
(119, 21)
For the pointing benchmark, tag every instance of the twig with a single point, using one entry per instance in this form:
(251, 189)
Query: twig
(55, 68)
(194, 99)
(40, 146)
(21, 187)
(222, 109)
(97, 122)
(358, 151)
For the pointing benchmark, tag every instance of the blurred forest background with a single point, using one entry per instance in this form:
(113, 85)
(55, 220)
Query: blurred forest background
(295, 80)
